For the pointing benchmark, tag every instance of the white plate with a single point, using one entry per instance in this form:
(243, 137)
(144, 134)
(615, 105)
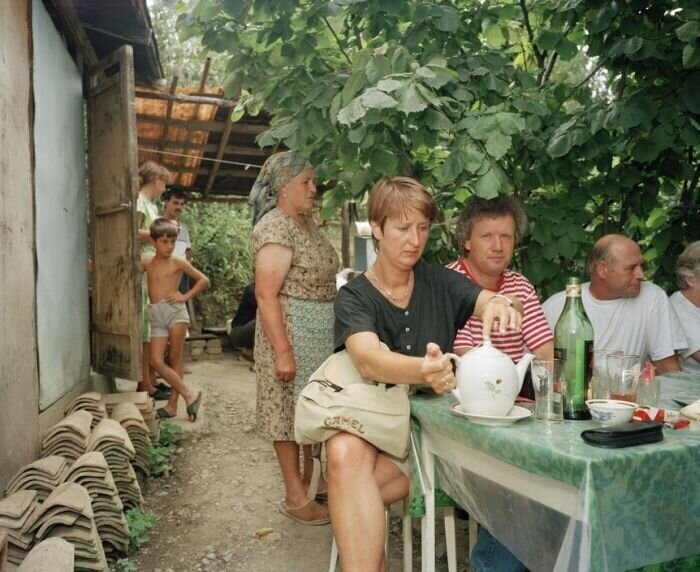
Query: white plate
(515, 414)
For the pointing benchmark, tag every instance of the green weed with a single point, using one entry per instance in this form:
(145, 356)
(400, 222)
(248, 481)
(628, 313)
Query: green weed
(139, 525)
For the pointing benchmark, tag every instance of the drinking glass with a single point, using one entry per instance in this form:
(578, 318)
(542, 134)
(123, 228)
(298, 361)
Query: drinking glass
(648, 391)
(548, 382)
(624, 375)
(601, 372)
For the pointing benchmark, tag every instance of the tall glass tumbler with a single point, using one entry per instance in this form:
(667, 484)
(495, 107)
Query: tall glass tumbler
(548, 382)
(624, 375)
(601, 372)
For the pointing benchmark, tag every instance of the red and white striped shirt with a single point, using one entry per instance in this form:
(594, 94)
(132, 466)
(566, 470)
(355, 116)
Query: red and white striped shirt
(535, 332)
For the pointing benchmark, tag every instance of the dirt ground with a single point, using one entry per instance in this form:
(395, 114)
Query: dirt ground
(225, 486)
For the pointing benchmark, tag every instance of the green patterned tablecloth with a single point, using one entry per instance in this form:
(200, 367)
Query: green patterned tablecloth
(642, 503)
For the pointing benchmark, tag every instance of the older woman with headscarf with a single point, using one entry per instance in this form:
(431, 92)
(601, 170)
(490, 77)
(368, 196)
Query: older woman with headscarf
(295, 269)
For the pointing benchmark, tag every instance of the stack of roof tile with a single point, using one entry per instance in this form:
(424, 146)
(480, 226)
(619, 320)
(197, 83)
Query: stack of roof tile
(50, 555)
(16, 512)
(42, 476)
(67, 513)
(143, 402)
(90, 402)
(128, 415)
(112, 440)
(92, 472)
(68, 437)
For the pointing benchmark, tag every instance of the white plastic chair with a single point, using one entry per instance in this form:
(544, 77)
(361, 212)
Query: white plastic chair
(408, 540)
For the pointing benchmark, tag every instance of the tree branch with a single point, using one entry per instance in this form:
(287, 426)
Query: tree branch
(337, 39)
(530, 34)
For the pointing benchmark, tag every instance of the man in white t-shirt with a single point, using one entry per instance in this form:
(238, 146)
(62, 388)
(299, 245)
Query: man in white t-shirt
(173, 205)
(626, 312)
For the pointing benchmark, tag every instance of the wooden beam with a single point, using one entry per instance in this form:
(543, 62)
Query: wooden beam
(206, 147)
(71, 27)
(251, 173)
(180, 98)
(168, 115)
(219, 154)
(211, 126)
(195, 113)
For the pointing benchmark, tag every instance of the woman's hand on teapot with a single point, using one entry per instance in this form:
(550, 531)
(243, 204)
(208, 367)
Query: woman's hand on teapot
(285, 365)
(502, 313)
(436, 369)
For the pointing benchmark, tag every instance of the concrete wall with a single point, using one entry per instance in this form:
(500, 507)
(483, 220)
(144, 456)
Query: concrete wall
(61, 214)
(19, 384)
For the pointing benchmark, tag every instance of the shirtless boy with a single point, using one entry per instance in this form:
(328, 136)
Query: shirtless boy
(168, 314)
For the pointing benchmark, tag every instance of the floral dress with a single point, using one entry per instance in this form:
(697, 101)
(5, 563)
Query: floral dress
(306, 298)
(149, 210)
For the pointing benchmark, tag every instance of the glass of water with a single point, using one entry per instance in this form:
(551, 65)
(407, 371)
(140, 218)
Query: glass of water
(548, 382)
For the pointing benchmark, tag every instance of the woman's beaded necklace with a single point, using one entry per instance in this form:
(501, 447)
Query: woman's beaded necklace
(371, 274)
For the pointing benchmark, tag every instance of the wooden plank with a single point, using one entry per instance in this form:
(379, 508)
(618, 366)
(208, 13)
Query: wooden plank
(251, 173)
(168, 115)
(145, 142)
(219, 154)
(211, 126)
(180, 98)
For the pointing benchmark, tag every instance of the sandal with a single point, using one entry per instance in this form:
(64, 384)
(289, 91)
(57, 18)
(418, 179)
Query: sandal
(161, 394)
(310, 513)
(163, 413)
(193, 408)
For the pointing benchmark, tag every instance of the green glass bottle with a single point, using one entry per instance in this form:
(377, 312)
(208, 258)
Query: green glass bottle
(573, 344)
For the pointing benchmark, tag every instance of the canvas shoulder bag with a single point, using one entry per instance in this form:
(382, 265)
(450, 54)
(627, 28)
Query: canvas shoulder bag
(337, 398)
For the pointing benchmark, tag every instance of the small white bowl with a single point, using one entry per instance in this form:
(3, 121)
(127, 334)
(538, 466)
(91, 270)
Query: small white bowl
(611, 411)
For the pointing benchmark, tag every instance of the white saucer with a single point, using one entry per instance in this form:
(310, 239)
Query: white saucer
(515, 414)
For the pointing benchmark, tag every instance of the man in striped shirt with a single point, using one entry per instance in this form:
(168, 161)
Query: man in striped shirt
(487, 232)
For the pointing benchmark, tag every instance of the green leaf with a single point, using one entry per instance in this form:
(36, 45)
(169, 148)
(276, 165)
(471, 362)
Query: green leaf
(389, 85)
(383, 161)
(377, 68)
(689, 31)
(627, 46)
(351, 113)
(437, 121)
(445, 18)
(454, 165)
(372, 98)
(498, 144)
(411, 100)
(488, 185)
(691, 56)
(689, 93)
(561, 141)
(493, 34)
(547, 40)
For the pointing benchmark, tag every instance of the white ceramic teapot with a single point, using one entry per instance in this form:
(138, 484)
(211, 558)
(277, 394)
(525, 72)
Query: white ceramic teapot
(487, 380)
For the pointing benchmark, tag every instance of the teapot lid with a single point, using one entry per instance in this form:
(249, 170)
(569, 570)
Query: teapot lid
(487, 350)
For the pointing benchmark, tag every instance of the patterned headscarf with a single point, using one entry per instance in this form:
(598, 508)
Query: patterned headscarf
(277, 171)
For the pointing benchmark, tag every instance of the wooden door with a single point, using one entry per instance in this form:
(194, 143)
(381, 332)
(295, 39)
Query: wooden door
(113, 184)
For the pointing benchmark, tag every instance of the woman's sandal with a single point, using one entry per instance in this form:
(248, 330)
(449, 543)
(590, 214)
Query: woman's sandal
(309, 513)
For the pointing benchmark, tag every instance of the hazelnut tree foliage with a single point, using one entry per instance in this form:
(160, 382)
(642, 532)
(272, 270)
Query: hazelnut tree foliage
(588, 111)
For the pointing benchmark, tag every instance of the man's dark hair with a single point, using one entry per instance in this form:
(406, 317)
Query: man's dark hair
(177, 193)
(477, 208)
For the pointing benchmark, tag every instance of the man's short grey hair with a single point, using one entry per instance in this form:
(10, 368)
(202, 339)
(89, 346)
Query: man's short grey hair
(599, 252)
(477, 208)
(688, 265)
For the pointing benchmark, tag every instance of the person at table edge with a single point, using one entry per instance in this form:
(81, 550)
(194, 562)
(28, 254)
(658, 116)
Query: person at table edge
(626, 312)
(416, 309)
(487, 232)
(686, 303)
